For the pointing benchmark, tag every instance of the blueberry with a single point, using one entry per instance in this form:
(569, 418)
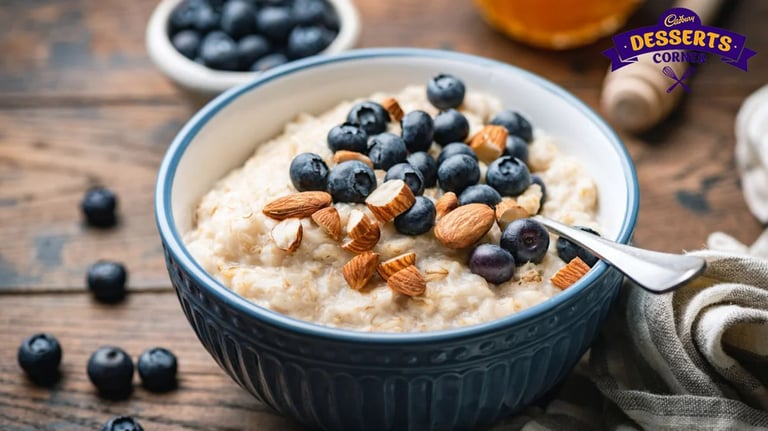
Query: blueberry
(418, 219)
(348, 137)
(310, 40)
(492, 262)
(445, 91)
(331, 19)
(351, 181)
(515, 124)
(251, 48)
(39, 356)
(206, 19)
(386, 150)
(457, 173)
(309, 172)
(536, 179)
(516, 147)
(568, 250)
(98, 206)
(157, 369)
(453, 149)
(450, 126)
(110, 369)
(122, 423)
(309, 12)
(418, 130)
(508, 175)
(481, 194)
(409, 174)
(426, 165)
(219, 51)
(187, 42)
(269, 61)
(526, 239)
(371, 116)
(106, 281)
(275, 22)
(238, 18)
(184, 15)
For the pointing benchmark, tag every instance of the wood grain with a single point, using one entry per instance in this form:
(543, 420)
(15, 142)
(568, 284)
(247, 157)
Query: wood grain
(206, 399)
(48, 158)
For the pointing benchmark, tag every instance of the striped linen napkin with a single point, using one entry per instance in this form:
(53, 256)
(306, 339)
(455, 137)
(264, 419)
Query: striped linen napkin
(693, 359)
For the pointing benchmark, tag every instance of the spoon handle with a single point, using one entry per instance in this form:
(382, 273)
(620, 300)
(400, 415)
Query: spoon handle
(652, 270)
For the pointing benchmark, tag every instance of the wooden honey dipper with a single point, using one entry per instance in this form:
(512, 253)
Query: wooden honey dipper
(635, 98)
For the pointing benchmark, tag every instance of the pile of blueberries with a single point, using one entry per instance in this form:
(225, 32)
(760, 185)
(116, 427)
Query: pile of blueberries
(243, 35)
(109, 368)
(456, 169)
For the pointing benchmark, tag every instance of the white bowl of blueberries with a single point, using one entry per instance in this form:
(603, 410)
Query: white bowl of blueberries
(208, 46)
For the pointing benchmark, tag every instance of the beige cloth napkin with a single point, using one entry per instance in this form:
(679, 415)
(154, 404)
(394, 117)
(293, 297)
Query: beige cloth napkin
(693, 359)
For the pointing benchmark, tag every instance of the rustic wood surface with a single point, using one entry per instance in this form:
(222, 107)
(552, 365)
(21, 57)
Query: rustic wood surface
(81, 104)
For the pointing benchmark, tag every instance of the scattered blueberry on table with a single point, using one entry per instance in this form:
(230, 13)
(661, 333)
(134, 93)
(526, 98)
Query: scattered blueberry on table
(157, 368)
(110, 369)
(122, 423)
(240, 35)
(39, 356)
(106, 281)
(99, 205)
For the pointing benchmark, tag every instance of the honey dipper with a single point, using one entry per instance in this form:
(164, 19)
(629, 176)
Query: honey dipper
(635, 97)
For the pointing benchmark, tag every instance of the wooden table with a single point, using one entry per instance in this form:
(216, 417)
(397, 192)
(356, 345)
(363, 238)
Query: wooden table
(81, 104)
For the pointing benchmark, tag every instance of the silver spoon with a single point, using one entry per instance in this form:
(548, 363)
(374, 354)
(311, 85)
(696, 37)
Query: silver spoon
(654, 271)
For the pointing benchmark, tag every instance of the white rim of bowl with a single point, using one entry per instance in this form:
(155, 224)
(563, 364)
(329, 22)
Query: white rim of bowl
(197, 77)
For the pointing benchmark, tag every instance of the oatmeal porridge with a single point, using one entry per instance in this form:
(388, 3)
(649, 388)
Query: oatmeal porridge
(301, 266)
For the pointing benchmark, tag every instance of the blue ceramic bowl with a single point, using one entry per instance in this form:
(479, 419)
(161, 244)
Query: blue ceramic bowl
(345, 380)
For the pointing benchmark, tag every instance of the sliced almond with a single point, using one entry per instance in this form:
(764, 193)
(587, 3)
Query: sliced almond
(408, 281)
(302, 204)
(346, 155)
(489, 142)
(329, 221)
(570, 273)
(362, 227)
(358, 245)
(508, 210)
(390, 199)
(394, 109)
(287, 234)
(447, 203)
(391, 266)
(360, 269)
(465, 225)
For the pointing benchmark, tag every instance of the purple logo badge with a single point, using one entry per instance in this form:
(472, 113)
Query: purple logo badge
(679, 36)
